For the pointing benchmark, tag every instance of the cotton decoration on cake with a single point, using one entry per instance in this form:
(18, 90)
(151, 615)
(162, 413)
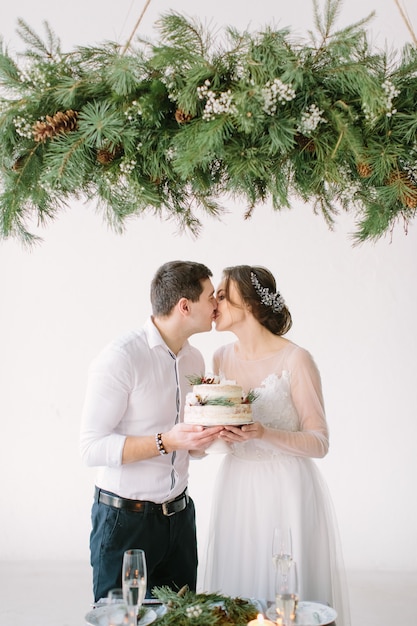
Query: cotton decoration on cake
(215, 402)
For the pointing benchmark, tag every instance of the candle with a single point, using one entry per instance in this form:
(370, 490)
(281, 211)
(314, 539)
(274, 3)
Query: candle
(260, 621)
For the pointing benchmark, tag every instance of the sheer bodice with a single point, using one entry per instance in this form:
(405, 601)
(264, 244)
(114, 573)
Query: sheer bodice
(290, 402)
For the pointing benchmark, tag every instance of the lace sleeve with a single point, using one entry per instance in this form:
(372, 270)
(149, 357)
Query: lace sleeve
(312, 438)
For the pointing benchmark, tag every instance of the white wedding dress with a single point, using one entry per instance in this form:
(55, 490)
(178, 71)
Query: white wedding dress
(264, 483)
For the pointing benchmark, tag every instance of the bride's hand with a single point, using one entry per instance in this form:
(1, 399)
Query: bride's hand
(235, 434)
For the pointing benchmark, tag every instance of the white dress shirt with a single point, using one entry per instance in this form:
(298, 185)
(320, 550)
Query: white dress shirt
(137, 386)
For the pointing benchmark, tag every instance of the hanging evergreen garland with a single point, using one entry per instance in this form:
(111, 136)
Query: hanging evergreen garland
(177, 126)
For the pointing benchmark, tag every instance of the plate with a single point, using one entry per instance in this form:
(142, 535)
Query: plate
(98, 617)
(309, 614)
(161, 610)
(226, 424)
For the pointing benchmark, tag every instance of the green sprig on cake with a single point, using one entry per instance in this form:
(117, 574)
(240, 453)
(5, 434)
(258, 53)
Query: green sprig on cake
(200, 379)
(250, 397)
(221, 401)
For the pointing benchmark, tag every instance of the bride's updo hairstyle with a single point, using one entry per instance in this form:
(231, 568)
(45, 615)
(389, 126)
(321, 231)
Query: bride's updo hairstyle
(258, 290)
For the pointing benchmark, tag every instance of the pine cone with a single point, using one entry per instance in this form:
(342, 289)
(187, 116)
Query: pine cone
(42, 131)
(107, 155)
(398, 175)
(364, 170)
(411, 201)
(409, 197)
(181, 593)
(221, 615)
(18, 164)
(54, 125)
(182, 117)
(305, 143)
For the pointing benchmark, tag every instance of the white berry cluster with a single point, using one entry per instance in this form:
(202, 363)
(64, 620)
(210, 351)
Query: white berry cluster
(276, 92)
(391, 92)
(216, 104)
(121, 186)
(350, 187)
(168, 78)
(35, 75)
(410, 167)
(310, 119)
(133, 111)
(239, 71)
(349, 192)
(193, 611)
(171, 153)
(370, 115)
(23, 128)
(127, 166)
(46, 186)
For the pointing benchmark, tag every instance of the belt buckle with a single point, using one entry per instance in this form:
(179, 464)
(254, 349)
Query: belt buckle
(165, 509)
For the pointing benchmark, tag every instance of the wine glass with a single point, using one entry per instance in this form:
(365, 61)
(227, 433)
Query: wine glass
(117, 611)
(281, 545)
(134, 580)
(286, 592)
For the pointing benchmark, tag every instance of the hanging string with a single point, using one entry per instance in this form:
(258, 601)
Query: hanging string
(126, 47)
(127, 18)
(406, 21)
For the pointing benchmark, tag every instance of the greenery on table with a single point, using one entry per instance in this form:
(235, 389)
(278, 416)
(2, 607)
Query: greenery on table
(177, 126)
(187, 607)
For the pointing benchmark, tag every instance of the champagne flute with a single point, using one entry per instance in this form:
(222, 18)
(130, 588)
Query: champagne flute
(281, 545)
(134, 580)
(286, 592)
(117, 611)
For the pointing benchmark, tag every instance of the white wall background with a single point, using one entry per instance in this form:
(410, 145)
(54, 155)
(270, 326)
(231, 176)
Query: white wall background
(355, 309)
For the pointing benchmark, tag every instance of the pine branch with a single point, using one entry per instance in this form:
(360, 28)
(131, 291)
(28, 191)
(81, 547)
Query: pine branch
(184, 34)
(324, 23)
(10, 77)
(38, 49)
(100, 123)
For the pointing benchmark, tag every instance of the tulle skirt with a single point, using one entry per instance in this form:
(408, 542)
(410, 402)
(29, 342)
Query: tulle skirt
(251, 497)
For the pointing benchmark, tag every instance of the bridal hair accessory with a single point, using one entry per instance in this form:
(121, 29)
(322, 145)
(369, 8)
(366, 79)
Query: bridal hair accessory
(274, 300)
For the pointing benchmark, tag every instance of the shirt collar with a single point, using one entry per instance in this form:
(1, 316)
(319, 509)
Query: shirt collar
(155, 339)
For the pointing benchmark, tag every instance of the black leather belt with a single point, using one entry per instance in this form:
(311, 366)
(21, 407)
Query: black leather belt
(141, 506)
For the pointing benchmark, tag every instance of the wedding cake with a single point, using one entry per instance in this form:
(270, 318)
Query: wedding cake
(215, 402)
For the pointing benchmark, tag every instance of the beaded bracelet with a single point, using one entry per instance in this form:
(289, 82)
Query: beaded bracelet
(159, 444)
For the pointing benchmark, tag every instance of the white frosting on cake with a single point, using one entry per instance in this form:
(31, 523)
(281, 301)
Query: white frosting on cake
(227, 389)
(199, 410)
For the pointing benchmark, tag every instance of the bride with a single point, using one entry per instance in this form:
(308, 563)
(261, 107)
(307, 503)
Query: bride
(270, 478)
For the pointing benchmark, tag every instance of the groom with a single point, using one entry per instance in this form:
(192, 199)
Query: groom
(132, 430)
